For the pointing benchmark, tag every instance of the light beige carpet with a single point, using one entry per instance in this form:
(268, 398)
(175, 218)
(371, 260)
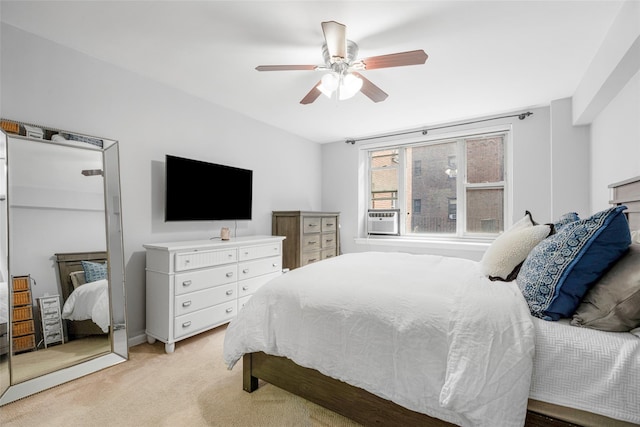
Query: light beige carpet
(191, 387)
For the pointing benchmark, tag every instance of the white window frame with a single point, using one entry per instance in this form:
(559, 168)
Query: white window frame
(437, 137)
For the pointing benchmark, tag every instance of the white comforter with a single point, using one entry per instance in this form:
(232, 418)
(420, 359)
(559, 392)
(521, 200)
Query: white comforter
(427, 332)
(89, 301)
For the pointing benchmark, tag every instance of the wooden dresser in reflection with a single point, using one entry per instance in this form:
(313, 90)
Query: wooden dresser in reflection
(22, 325)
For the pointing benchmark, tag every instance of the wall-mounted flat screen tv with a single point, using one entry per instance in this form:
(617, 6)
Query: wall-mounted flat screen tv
(203, 191)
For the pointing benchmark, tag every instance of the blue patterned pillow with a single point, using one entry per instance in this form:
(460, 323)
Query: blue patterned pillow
(565, 219)
(560, 270)
(94, 271)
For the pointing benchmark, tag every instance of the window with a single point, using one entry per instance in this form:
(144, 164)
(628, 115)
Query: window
(417, 205)
(384, 179)
(453, 186)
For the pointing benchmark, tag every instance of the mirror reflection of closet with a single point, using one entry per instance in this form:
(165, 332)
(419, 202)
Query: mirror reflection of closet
(62, 243)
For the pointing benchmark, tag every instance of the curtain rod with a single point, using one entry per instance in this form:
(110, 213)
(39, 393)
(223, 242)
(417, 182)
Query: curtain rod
(520, 116)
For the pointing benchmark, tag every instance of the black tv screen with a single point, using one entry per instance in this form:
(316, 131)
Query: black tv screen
(203, 191)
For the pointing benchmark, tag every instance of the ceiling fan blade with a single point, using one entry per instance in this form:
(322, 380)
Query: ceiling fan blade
(286, 67)
(414, 57)
(372, 91)
(312, 95)
(335, 35)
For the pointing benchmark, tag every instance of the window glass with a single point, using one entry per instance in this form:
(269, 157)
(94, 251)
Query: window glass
(433, 186)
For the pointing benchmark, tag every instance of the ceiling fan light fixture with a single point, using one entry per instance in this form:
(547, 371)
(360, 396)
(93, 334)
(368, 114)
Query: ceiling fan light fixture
(349, 86)
(329, 84)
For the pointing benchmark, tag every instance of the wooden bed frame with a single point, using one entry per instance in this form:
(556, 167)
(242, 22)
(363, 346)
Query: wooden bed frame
(369, 409)
(68, 263)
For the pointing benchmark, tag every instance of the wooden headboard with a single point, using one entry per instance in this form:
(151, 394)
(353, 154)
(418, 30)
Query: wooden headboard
(70, 262)
(627, 193)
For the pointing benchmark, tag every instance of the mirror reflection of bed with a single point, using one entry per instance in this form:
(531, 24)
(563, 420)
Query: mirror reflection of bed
(84, 309)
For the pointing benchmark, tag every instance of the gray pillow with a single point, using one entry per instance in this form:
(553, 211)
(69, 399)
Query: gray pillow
(613, 304)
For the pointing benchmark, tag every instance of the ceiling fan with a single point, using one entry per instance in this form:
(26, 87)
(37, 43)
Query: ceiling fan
(340, 60)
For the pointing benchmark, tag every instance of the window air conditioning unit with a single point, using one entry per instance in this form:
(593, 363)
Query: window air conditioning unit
(383, 221)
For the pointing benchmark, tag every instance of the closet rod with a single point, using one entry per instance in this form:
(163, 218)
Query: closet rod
(520, 116)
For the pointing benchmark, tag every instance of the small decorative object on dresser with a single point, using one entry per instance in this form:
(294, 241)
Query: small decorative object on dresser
(198, 285)
(311, 236)
(52, 331)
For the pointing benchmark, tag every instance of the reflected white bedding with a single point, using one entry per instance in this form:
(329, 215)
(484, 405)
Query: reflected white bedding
(430, 333)
(89, 301)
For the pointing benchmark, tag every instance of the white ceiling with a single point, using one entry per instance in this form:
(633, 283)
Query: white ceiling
(485, 57)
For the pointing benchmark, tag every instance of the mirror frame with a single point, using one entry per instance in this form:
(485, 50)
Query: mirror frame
(116, 271)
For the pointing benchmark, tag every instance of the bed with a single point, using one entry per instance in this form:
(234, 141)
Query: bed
(85, 303)
(558, 374)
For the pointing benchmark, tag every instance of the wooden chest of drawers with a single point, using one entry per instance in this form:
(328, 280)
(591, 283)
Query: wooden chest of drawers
(311, 236)
(22, 324)
(199, 285)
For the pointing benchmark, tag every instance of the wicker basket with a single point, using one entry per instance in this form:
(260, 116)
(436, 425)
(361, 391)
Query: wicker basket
(20, 283)
(21, 298)
(22, 313)
(23, 328)
(24, 343)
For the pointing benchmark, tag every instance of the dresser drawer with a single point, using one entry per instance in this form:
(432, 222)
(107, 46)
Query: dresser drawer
(309, 257)
(311, 225)
(201, 259)
(54, 336)
(242, 301)
(202, 279)
(328, 240)
(259, 267)
(199, 320)
(328, 253)
(51, 325)
(329, 224)
(262, 251)
(311, 242)
(194, 301)
(249, 286)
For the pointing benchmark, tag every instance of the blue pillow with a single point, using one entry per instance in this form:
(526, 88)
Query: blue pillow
(565, 219)
(94, 271)
(560, 270)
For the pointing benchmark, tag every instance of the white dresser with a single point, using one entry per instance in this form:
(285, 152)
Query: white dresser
(198, 285)
(51, 320)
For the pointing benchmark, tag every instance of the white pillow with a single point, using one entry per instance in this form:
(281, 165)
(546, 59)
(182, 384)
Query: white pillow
(503, 258)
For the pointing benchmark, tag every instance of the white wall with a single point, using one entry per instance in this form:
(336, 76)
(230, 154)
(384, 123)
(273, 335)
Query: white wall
(615, 143)
(47, 84)
(608, 98)
(570, 161)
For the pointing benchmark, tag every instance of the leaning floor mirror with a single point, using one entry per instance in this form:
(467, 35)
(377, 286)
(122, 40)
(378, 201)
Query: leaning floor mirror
(62, 294)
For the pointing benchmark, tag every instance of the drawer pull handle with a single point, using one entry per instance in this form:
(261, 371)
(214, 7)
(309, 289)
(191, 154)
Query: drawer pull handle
(229, 292)
(186, 324)
(229, 310)
(329, 224)
(313, 259)
(186, 303)
(312, 242)
(230, 274)
(274, 265)
(186, 283)
(246, 253)
(230, 255)
(245, 271)
(245, 288)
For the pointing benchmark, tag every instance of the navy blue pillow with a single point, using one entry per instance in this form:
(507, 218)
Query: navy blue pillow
(560, 270)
